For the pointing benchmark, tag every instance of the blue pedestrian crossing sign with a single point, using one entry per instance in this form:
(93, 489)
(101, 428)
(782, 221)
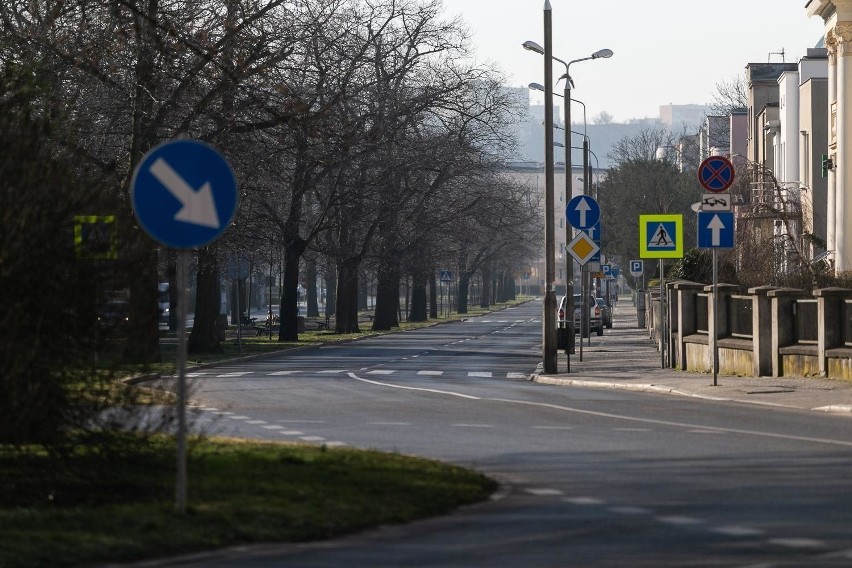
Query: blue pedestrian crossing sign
(183, 193)
(661, 236)
(715, 229)
(446, 276)
(583, 212)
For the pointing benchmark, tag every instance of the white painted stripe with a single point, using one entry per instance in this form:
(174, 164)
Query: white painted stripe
(234, 374)
(553, 427)
(335, 444)
(435, 391)
(224, 413)
(480, 374)
(704, 431)
(274, 427)
(797, 542)
(679, 520)
(280, 373)
(195, 374)
(240, 417)
(631, 429)
(255, 421)
(381, 372)
(312, 438)
(431, 373)
(463, 425)
(290, 433)
(544, 492)
(516, 376)
(208, 408)
(758, 433)
(389, 423)
(583, 501)
(737, 531)
(332, 371)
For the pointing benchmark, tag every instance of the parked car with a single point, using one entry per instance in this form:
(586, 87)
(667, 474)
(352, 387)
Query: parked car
(606, 312)
(114, 315)
(595, 321)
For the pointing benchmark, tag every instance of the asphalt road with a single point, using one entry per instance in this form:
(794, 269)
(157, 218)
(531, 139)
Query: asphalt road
(590, 477)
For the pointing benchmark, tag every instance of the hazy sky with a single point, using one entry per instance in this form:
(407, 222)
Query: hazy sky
(666, 51)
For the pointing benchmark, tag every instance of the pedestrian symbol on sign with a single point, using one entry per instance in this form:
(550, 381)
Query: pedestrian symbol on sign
(661, 238)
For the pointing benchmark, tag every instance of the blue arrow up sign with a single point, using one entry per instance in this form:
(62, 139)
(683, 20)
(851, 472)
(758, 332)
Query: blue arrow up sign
(715, 229)
(583, 212)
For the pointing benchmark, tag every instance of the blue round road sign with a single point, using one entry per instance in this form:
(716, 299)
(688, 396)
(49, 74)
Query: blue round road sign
(583, 212)
(716, 174)
(184, 193)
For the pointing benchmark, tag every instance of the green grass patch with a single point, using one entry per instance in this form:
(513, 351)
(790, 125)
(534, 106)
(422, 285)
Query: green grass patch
(239, 492)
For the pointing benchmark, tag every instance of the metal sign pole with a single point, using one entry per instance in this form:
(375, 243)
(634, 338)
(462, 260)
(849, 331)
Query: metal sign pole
(180, 502)
(662, 317)
(582, 307)
(714, 347)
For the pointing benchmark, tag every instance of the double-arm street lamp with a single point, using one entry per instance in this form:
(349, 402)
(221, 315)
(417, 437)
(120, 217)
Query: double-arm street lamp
(600, 54)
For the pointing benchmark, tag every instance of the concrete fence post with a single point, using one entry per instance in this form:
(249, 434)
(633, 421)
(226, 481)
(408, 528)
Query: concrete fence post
(761, 330)
(783, 323)
(830, 322)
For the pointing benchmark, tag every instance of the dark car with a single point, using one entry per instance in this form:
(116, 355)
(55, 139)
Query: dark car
(606, 312)
(114, 315)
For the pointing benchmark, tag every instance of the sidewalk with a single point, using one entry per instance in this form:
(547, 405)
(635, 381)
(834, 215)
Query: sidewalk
(626, 358)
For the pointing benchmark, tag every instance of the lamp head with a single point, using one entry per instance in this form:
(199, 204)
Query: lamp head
(536, 86)
(602, 53)
(533, 46)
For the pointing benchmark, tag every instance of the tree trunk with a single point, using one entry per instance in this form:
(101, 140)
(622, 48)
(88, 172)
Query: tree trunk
(288, 329)
(433, 295)
(346, 307)
(387, 296)
(419, 308)
(143, 337)
(485, 300)
(464, 290)
(203, 337)
(330, 291)
(311, 288)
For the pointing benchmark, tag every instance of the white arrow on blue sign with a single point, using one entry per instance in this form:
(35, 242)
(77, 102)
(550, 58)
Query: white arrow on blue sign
(715, 229)
(583, 212)
(184, 193)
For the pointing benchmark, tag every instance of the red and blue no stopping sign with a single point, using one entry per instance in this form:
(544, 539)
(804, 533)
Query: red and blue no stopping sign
(716, 174)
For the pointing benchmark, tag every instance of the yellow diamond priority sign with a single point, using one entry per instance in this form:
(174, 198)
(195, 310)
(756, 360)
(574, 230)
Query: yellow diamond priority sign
(582, 248)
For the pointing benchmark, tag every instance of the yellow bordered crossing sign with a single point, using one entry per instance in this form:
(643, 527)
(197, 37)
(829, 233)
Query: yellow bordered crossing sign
(95, 237)
(661, 236)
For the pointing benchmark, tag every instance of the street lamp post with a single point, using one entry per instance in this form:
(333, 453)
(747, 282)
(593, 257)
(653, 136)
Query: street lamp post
(548, 102)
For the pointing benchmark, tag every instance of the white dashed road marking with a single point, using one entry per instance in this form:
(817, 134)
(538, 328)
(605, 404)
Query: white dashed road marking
(679, 520)
(380, 372)
(543, 492)
(431, 373)
(480, 374)
(737, 531)
(583, 501)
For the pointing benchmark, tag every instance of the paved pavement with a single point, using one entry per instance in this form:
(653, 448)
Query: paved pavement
(626, 358)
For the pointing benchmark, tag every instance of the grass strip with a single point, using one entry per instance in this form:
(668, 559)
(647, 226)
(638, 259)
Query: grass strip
(239, 492)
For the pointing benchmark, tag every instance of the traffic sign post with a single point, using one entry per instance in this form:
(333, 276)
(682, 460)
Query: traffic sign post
(583, 212)
(716, 174)
(715, 229)
(184, 195)
(661, 236)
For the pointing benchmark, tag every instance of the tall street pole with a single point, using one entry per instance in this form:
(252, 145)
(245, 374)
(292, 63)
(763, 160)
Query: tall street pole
(549, 318)
(569, 231)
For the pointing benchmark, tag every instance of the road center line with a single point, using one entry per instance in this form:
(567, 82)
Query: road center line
(434, 391)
